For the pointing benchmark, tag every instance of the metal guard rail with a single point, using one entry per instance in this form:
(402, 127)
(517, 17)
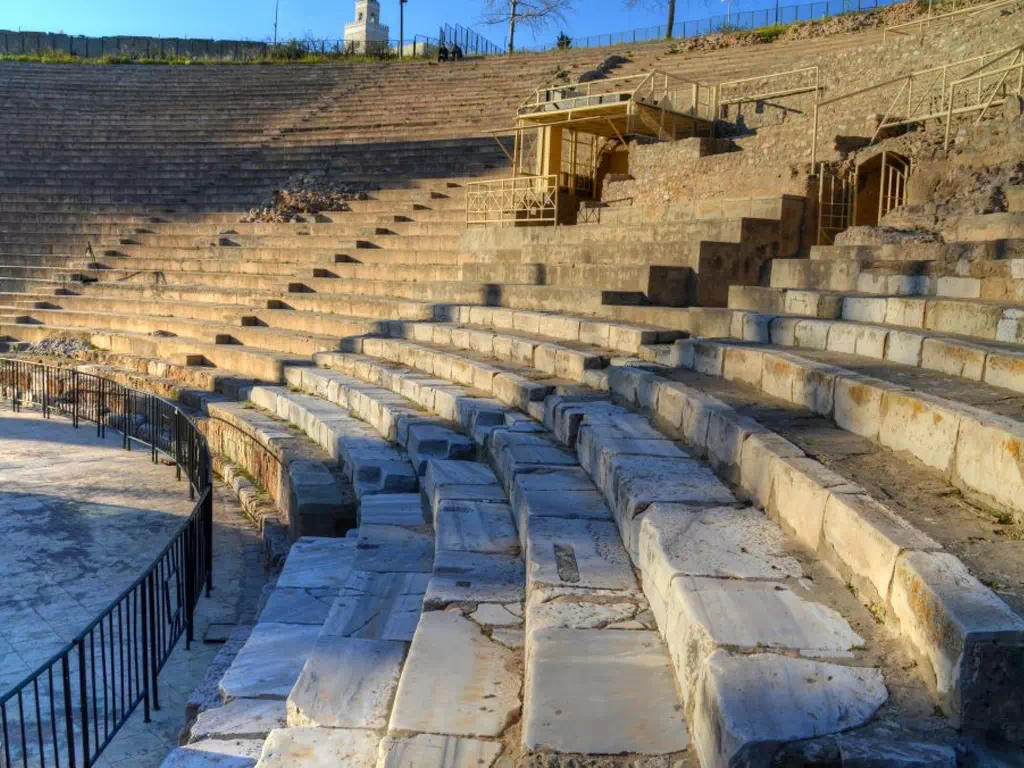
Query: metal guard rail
(68, 710)
(936, 83)
(923, 22)
(650, 87)
(516, 200)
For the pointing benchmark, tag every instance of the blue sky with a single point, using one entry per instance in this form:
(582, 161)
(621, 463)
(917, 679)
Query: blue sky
(253, 19)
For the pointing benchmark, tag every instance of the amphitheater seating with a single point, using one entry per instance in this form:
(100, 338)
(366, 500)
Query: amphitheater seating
(553, 491)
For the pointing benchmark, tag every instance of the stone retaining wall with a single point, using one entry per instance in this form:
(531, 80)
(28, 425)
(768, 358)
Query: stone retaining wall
(93, 47)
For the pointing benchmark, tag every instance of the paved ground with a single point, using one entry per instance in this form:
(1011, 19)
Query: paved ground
(81, 519)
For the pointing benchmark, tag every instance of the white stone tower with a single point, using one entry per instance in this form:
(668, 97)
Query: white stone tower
(367, 27)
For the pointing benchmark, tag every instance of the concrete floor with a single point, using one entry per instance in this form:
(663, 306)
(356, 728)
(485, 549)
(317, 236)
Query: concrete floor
(81, 520)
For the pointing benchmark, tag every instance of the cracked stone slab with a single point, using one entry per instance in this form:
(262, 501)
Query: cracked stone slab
(429, 750)
(545, 611)
(472, 577)
(346, 683)
(241, 719)
(392, 509)
(635, 482)
(378, 606)
(579, 553)
(394, 548)
(270, 661)
(601, 692)
(563, 492)
(298, 606)
(472, 526)
(494, 615)
(317, 562)
(216, 753)
(753, 614)
(718, 542)
(485, 494)
(745, 707)
(452, 661)
(516, 452)
(319, 748)
(450, 472)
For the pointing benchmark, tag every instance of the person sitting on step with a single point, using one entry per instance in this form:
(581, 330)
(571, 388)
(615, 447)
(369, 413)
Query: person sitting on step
(442, 52)
(456, 52)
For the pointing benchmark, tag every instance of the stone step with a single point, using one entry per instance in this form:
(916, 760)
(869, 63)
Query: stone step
(972, 318)
(990, 226)
(916, 586)
(969, 434)
(307, 484)
(1000, 365)
(518, 461)
(946, 253)
(1001, 280)
(562, 624)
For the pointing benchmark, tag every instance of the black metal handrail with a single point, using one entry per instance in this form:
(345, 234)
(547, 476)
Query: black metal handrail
(70, 708)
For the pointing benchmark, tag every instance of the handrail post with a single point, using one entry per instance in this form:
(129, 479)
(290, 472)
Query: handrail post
(74, 396)
(153, 652)
(69, 717)
(208, 525)
(190, 579)
(83, 700)
(146, 692)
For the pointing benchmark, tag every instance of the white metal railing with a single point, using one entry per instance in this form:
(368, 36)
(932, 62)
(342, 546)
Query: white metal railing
(513, 201)
(770, 86)
(938, 93)
(655, 88)
(923, 22)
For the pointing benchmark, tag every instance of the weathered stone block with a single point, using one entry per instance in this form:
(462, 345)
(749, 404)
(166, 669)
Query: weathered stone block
(972, 639)
(923, 426)
(745, 707)
(346, 682)
(452, 661)
(270, 661)
(601, 692)
(578, 553)
(863, 539)
(990, 457)
(717, 542)
(319, 748)
(428, 750)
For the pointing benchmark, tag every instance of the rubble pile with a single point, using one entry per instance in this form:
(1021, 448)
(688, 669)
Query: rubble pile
(306, 194)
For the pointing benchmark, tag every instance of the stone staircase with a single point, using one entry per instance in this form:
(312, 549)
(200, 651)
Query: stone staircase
(591, 495)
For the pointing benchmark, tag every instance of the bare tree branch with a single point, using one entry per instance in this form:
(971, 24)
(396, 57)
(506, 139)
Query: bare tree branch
(535, 14)
(670, 4)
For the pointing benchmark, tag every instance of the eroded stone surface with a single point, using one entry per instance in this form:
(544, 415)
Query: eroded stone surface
(744, 707)
(378, 606)
(582, 553)
(452, 661)
(472, 577)
(471, 526)
(346, 683)
(270, 662)
(719, 542)
(239, 719)
(317, 563)
(428, 750)
(319, 748)
(394, 548)
(601, 691)
(216, 753)
(298, 606)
